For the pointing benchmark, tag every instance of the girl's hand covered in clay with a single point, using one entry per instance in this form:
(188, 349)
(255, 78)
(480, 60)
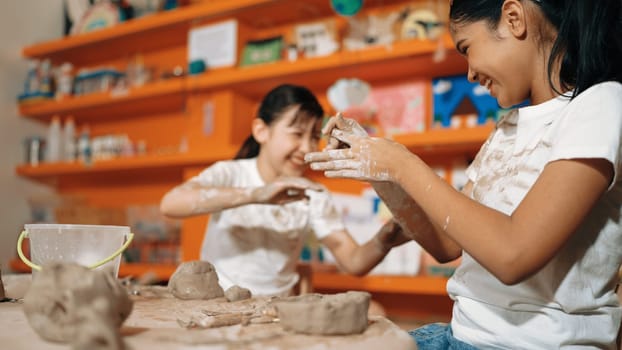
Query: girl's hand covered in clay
(367, 158)
(390, 235)
(284, 190)
(338, 122)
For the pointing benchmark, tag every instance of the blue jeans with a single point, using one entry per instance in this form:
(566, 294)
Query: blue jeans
(437, 336)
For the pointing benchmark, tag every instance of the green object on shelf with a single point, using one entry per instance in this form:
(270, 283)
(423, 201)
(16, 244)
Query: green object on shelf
(347, 7)
(196, 67)
(262, 51)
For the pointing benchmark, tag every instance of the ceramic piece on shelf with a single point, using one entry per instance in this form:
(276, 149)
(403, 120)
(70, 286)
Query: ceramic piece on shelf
(371, 30)
(262, 51)
(346, 7)
(421, 24)
(103, 14)
(317, 39)
(346, 93)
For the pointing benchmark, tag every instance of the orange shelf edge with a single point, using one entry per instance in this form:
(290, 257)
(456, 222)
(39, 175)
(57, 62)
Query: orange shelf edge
(120, 164)
(107, 100)
(446, 137)
(162, 271)
(16, 265)
(339, 60)
(429, 285)
(139, 25)
(429, 139)
(322, 280)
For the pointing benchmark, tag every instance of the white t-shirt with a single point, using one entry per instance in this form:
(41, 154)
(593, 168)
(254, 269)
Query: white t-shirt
(569, 303)
(257, 246)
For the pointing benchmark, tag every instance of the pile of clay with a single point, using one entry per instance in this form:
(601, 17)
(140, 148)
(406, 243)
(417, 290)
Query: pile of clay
(332, 314)
(195, 280)
(69, 303)
(198, 280)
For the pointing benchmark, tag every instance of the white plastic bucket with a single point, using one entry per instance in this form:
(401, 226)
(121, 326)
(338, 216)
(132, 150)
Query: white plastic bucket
(94, 246)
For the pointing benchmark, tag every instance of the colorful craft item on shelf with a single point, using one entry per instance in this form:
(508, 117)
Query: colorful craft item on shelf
(456, 98)
(347, 7)
(38, 83)
(100, 15)
(97, 80)
(346, 93)
(317, 39)
(196, 67)
(392, 109)
(214, 43)
(421, 24)
(262, 51)
(371, 30)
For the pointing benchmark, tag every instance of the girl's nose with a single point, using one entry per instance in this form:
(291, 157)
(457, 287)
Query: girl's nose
(471, 75)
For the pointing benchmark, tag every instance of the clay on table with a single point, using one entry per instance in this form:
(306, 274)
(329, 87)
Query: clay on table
(67, 302)
(330, 314)
(237, 293)
(195, 280)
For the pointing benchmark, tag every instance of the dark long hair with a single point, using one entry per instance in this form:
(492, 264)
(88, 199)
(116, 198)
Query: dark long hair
(588, 42)
(277, 101)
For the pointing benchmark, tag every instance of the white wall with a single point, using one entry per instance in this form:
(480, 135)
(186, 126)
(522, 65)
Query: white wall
(22, 23)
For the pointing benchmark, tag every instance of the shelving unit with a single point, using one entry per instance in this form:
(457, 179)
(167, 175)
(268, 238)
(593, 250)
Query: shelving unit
(428, 142)
(405, 58)
(164, 112)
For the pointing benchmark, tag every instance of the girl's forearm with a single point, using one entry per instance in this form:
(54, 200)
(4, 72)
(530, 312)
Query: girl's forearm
(364, 258)
(416, 223)
(191, 199)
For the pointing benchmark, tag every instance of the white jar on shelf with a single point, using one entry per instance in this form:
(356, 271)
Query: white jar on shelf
(69, 140)
(54, 146)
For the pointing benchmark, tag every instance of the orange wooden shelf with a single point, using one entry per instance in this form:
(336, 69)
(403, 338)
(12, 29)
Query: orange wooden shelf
(322, 280)
(159, 96)
(257, 14)
(161, 271)
(410, 58)
(419, 142)
(428, 285)
(439, 140)
(17, 265)
(147, 162)
(181, 16)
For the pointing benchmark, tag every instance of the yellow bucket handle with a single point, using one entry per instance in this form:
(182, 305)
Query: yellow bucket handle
(34, 266)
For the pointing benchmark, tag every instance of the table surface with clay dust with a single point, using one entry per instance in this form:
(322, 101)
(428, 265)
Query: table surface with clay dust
(158, 322)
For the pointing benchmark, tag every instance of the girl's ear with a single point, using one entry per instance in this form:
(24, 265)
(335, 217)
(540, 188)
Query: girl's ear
(261, 131)
(513, 16)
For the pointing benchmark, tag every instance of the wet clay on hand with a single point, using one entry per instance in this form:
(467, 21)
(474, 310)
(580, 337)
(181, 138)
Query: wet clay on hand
(67, 302)
(335, 314)
(237, 293)
(195, 280)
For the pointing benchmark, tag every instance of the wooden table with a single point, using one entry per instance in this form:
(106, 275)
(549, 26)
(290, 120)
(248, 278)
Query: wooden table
(153, 324)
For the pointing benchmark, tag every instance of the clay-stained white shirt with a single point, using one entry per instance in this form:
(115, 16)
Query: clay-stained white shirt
(257, 246)
(570, 303)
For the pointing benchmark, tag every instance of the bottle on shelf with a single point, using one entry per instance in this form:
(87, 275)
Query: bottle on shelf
(54, 146)
(69, 140)
(84, 145)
